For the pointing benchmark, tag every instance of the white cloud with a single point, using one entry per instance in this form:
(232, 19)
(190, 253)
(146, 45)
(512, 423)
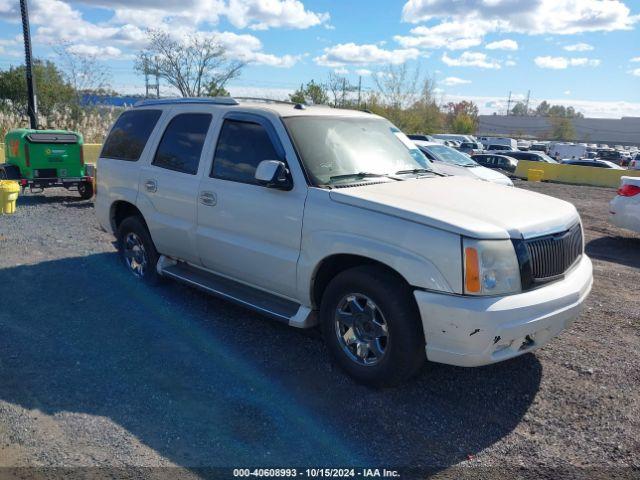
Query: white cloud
(363, 72)
(341, 71)
(635, 59)
(453, 81)
(558, 17)
(506, 44)
(510, 63)
(471, 59)
(567, 92)
(264, 14)
(464, 23)
(451, 35)
(248, 48)
(352, 54)
(636, 72)
(561, 63)
(579, 47)
(94, 51)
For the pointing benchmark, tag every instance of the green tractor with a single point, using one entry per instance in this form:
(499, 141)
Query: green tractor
(39, 159)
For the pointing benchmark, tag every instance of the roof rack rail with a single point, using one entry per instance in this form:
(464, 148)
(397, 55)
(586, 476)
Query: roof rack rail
(187, 100)
(268, 100)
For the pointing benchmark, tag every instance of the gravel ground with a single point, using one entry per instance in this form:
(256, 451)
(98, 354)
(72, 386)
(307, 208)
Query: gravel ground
(96, 370)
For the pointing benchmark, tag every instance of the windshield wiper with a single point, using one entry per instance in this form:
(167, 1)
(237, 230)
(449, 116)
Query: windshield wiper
(414, 170)
(417, 171)
(357, 175)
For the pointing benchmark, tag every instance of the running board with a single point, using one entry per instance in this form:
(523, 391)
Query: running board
(278, 308)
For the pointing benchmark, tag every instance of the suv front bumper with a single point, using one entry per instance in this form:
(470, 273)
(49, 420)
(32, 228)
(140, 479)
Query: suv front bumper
(473, 331)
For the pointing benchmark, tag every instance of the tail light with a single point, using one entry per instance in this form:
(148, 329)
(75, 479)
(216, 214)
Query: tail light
(629, 190)
(27, 157)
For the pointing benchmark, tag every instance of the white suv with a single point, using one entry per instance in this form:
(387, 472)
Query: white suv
(313, 215)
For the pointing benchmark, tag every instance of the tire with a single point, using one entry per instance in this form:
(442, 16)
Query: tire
(137, 250)
(395, 349)
(85, 189)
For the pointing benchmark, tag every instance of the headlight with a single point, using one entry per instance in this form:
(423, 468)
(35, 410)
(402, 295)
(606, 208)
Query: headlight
(490, 267)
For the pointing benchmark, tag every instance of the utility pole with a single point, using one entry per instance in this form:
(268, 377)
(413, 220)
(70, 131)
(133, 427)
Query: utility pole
(32, 109)
(526, 110)
(146, 76)
(509, 104)
(359, 89)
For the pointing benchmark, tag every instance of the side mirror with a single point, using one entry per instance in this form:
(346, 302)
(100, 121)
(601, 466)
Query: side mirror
(273, 174)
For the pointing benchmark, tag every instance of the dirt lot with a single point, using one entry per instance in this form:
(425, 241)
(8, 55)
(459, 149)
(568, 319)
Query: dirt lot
(96, 370)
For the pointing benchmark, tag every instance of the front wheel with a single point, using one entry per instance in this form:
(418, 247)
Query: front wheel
(137, 250)
(372, 327)
(85, 189)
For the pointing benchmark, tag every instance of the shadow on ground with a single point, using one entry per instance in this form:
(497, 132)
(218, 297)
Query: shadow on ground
(622, 250)
(69, 199)
(205, 383)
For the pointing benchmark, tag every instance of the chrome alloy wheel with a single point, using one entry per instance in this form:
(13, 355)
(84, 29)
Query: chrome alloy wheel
(361, 329)
(135, 255)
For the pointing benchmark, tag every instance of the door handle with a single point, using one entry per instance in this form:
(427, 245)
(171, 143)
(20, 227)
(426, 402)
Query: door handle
(208, 198)
(151, 186)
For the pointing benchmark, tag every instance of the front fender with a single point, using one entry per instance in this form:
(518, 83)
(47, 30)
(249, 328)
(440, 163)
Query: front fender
(417, 270)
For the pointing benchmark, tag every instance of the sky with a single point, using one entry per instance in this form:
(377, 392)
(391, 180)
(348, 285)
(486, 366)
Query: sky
(584, 53)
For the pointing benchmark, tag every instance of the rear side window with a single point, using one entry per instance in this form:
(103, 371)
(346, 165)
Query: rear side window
(129, 135)
(182, 142)
(241, 147)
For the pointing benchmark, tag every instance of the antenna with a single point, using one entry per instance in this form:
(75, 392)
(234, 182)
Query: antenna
(32, 108)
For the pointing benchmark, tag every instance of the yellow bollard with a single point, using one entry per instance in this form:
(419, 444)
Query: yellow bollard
(534, 175)
(9, 191)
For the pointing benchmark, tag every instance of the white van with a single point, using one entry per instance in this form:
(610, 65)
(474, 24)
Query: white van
(567, 150)
(509, 142)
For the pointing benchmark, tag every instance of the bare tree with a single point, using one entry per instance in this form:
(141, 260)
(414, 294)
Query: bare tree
(195, 66)
(84, 72)
(340, 89)
(399, 86)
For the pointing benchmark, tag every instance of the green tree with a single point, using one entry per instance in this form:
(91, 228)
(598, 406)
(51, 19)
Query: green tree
(519, 109)
(52, 91)
(313, 93)
(562, 128)
(462, 117)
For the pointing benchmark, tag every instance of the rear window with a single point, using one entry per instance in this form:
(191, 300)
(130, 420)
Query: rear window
(182, 142)
(129, 135)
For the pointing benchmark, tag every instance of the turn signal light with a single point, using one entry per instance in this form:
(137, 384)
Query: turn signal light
(472, 270)
(628, 190)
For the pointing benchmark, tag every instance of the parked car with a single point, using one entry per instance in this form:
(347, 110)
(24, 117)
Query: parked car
(453, 162)
(420, 136)
(539, 147)
(499, 162)
(624, 209)
(313, 215)
(471, 148)
(453, 137)
(531, 156)
(499, 148)
(611, 155)
(593, 163)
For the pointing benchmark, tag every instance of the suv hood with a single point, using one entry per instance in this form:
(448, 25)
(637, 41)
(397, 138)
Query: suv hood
(464, 206)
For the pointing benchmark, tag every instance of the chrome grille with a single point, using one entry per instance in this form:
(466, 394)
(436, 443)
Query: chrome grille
(553, 255)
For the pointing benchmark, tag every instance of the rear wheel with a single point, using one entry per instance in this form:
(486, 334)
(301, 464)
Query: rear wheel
(137, 250)
(85, 189)
(372, 327)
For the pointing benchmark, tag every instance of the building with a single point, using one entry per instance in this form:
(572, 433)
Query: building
(623, 131)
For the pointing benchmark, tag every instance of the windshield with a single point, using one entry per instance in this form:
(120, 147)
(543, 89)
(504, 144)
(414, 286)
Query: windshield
(546, 158)
(449, 155)
(347, 149)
